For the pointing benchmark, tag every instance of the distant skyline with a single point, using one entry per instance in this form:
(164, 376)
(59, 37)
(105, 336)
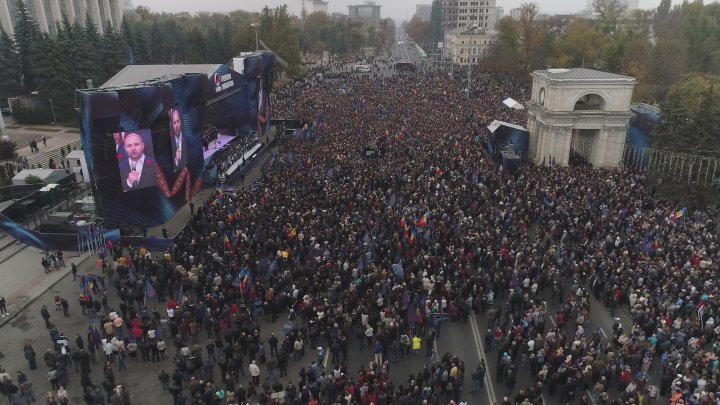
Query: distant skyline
(395, 9)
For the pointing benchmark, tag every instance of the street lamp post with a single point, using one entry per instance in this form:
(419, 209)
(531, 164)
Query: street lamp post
(52, 108)
(255, 27)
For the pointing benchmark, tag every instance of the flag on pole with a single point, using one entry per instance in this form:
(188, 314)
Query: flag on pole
(149, 290)
(180, 296)
(227, 243)
(245, 280)
(679, 214)
(422, 222)
(415, 316)
(292, 232)
(236, 280)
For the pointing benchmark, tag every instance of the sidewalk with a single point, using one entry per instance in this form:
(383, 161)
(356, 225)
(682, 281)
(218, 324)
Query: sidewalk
(24, 279)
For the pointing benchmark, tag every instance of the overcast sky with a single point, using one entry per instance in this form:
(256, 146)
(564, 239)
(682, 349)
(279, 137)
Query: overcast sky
(397, 9)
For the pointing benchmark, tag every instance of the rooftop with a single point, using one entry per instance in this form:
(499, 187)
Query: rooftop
(134, 74)
(581, 74)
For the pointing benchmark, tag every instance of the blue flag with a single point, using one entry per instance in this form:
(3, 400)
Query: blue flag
(149, 290)
(180, 295)
(236, 280)
(273, 266)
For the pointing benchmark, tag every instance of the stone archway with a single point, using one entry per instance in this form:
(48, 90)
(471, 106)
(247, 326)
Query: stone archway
(590, 102)
(579, 115)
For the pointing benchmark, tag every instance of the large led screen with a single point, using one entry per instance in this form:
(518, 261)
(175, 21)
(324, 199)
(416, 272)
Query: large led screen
(137, 162)
(143, 148)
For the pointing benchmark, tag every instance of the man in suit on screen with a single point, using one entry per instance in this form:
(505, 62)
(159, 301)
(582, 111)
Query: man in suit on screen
(179, 144)
(138, 170)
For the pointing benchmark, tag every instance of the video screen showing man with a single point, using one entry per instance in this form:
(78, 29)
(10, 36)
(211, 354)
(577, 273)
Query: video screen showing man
(137, 170)
(119, 145)
(178, 141)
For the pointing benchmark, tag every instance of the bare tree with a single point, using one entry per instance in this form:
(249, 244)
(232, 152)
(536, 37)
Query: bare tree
(530, 33)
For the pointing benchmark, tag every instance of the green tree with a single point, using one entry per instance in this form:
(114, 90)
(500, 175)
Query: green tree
(508, 42)
(278, 33)
(114, 53)
(93, 58)
(609, 13)
(690, 118)
(32, 179)
(54, 77)
(10, 74)
(580, 46)
(691, 108)
(158, 45)
(196, 46)
(142, 55)
(216, 47)
(7, 150)
(26, 36)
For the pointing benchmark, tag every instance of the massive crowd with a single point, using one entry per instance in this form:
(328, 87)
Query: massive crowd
(378, 252)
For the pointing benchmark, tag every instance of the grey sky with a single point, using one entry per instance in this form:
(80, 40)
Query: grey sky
(397, 9)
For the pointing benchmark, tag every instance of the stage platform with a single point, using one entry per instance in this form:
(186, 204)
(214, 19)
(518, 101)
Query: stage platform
(231, 170)
(252, 171)
(216, 146)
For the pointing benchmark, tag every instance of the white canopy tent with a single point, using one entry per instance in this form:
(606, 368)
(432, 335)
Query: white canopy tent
(513, 104)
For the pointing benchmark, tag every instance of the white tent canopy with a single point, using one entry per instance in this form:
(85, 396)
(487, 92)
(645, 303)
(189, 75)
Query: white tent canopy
(497, 124)
(513, 104)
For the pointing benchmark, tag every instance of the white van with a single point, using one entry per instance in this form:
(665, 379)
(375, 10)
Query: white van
(360, 68)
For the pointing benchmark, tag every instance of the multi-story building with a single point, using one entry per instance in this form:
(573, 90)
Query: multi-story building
(466, 45)
(48, 13)
(368, 12)
(313, 6)
(467, 13)
(630, 6)
(423, 11)
(499, 13)
(516, 13)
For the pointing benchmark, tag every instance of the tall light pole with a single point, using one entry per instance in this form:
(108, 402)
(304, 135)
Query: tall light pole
(470, 51)
(53, 112)
(256, 27)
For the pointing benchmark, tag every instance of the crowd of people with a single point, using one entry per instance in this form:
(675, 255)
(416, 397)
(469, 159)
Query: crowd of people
(234, 151)
(376, 253)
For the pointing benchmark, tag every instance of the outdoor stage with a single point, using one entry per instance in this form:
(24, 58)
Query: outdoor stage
(216, 145)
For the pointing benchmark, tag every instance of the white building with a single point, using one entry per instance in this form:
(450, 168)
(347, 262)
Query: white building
(516, 13)
(368, 12)
(423, 11)
(630, 6)
(462, 14)
(313, 6)
(466, 46)
(47, 13)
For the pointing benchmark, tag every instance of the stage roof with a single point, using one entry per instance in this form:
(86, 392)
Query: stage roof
(134, 74)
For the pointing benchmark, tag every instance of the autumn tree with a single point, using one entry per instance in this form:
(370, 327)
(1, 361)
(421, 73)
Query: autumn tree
(610, 12)
(530, 34)
(418, 30)
(580, 46)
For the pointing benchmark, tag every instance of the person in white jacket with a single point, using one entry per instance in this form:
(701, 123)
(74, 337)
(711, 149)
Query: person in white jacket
(254, 372)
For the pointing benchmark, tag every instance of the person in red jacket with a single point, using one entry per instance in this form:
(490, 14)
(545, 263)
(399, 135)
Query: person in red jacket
(625, 376)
